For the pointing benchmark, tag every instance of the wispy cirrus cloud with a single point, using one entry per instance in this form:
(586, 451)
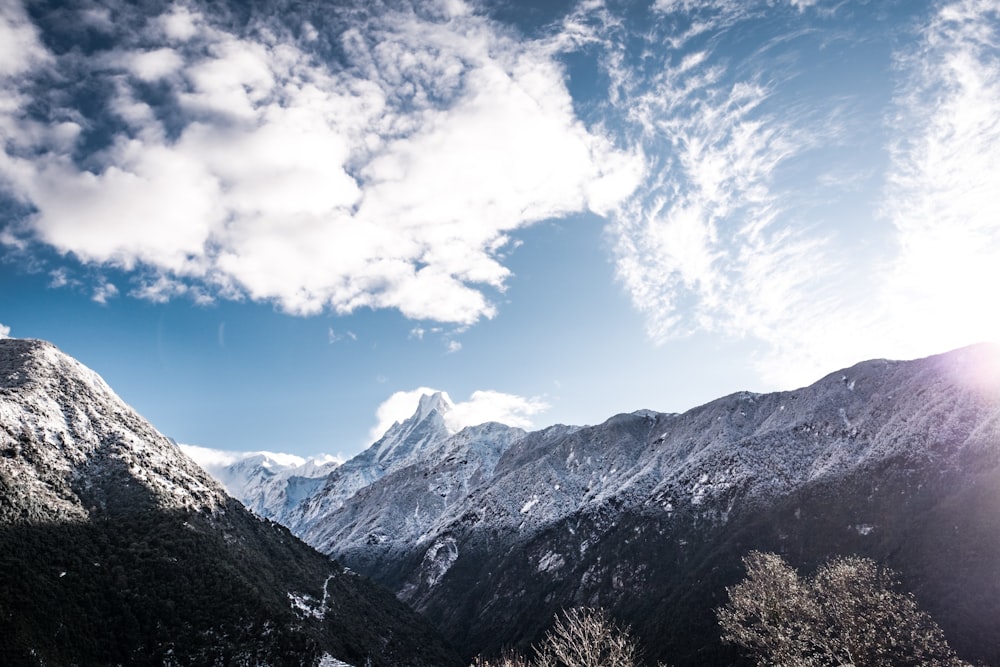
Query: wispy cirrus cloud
(712, 243)
(744, 231)
(943, 179)
(249, 164)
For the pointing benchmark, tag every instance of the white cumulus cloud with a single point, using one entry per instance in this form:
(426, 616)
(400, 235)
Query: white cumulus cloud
(392, 179)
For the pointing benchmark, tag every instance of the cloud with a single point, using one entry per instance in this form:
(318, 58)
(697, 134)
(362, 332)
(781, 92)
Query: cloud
(802, 5)
(60, 278)
(214, 460)
(21, 49)
(495, 406)
(943, 180)
(264, 168)
(4, 331)
(482, 407)
(103, 292)
(711, 243)
(335, 337)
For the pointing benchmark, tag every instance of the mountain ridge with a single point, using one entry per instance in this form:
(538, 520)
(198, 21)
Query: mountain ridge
(545, 528)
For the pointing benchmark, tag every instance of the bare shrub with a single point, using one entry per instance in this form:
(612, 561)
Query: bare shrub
(848, 613)
(580, 637)
(587, 637)
(508, 658)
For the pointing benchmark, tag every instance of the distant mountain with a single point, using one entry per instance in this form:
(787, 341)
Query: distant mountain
(269, 483)
(490, 531)
(115, 548)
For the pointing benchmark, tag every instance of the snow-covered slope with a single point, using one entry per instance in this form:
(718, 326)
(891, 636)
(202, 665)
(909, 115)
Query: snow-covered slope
(116, 548)
(397, 510)
(61, 427)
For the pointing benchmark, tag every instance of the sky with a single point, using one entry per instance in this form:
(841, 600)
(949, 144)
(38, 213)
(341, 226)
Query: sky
(273, 225)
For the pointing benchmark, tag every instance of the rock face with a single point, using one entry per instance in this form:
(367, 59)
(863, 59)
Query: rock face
(115, 548)
(490, 531)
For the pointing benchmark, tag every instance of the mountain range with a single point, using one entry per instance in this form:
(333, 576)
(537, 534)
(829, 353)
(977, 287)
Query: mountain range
(490, 531)
(116, 548)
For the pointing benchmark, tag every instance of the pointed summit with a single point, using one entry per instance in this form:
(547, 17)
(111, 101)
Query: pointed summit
(438, 401)
(408, 438)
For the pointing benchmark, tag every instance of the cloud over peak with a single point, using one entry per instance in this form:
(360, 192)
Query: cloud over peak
(483, 406)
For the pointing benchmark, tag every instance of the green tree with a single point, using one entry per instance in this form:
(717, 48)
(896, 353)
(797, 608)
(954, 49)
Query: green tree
(848, 613)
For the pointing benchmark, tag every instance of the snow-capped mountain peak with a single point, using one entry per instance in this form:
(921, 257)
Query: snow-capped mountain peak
(266, 482)
(438, 401)
(409, 438)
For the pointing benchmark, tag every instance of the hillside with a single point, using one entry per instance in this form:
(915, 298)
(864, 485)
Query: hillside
(115, 548)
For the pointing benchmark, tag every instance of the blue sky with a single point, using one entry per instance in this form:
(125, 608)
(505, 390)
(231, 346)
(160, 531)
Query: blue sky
(270, 226)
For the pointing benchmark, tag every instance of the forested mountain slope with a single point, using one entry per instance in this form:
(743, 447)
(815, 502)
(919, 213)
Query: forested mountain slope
(115, 548)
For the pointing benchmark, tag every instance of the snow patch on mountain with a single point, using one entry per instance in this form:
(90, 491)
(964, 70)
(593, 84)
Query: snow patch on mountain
(63, 425)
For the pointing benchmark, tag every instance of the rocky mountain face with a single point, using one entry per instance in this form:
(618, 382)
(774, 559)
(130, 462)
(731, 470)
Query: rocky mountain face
(491, 531)
(115, 548)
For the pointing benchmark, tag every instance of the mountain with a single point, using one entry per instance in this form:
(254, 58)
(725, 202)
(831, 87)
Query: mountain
(116, 548)
(406, 449)
(268, 483)
(491, 531)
